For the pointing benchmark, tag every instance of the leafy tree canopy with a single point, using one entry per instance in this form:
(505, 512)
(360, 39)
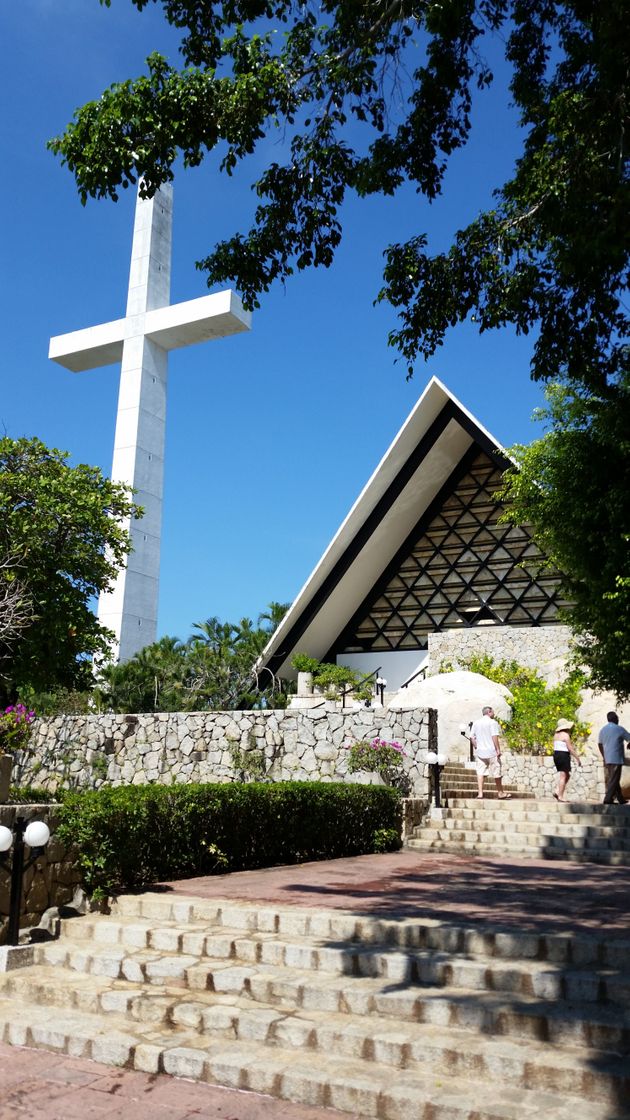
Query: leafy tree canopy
(370, 96)
(573, 486)
(62, 526)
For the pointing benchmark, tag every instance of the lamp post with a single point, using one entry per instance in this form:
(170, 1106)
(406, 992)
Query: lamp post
(381, 685)
(436, 762)
(35, 836)
(464, 729)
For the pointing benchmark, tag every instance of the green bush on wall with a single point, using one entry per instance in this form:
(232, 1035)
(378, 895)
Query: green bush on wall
(536, 706)
(127, 837)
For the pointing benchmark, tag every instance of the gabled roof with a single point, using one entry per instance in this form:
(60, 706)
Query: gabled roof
(429, 446)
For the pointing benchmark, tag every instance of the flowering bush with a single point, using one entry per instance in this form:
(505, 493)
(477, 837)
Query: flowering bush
(382, 756)
(15, 728)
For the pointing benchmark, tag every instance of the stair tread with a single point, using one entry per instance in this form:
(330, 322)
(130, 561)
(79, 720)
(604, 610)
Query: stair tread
(255, 1065)
(47, 980)
(57, 952)
(322, 1006)
(370, 937)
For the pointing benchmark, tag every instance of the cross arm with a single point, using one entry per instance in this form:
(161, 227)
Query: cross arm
(197, 320)
(89, 348)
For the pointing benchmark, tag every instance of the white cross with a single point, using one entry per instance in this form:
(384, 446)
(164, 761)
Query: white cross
(141, 342)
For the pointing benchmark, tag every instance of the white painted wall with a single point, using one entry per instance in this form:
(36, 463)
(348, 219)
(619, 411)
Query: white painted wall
(396, 666)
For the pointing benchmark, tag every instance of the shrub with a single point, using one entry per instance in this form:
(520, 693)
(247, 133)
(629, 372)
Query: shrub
(33, 795)
(381, 756)
(130, 836)
(15, 728)
(333, 679)
(536, 706)
(304, 664)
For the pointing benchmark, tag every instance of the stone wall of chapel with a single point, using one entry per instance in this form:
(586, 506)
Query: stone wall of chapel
(544, 648)
(295, 745)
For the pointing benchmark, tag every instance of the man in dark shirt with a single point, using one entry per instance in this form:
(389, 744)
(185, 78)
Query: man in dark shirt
(610, 742)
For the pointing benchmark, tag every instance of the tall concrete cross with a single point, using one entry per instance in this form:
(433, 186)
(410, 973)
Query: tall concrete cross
(141, 342)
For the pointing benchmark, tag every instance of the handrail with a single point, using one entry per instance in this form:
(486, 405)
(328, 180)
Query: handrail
(346, 691)
(422, 670)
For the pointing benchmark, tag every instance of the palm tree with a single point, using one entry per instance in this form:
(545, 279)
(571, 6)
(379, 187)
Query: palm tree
(218, 635)
(270, 619)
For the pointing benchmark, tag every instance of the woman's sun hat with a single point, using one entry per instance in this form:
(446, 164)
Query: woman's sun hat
(564, 725)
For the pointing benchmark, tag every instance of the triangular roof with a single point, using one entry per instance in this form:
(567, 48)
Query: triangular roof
(410, 477)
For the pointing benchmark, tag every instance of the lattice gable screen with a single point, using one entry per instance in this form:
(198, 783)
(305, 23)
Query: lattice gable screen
(459, 568)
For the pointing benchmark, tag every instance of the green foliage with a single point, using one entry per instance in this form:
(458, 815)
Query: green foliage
(66, 526)
(63, 701)
(214, 670)
(33, 795)
(305, 664)
(250, 764)
(15, 728)
(386, 840)
(573, 486)
(331, 679)
(536, 706)
(379, 756)
(370, 97)
(131, 836)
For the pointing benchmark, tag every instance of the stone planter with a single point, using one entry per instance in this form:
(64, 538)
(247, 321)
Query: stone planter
(6, 767)
(305, 684)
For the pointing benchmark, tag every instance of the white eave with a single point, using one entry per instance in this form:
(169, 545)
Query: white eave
(397, 521)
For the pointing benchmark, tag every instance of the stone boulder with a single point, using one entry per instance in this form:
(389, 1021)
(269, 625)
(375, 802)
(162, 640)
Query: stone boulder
(459, 698)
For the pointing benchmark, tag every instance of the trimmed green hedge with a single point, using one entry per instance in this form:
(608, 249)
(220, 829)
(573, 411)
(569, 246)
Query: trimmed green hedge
(130, 836)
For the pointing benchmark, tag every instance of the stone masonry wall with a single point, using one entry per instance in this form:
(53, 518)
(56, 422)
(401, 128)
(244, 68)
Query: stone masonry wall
(307, 744)
(537, 774)
(544, 648)
(51, 881)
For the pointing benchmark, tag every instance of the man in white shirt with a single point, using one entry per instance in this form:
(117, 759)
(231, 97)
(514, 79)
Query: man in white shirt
(484, 736)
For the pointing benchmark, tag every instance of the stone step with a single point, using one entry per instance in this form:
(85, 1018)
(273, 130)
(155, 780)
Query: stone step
(521, 839)
(377, 1005)
(293, 967)
(365, 1088)
(358, 933)
(614, 813)
(488, 822)
(548, 812)
(416, 1047)
(608, 858)
(382, 1017)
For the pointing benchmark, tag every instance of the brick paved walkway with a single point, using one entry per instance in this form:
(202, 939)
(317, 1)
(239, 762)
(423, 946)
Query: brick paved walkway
(531, 894)
(44, 1086)
(528, 894)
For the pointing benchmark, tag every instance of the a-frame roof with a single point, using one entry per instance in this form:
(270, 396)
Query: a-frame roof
(434, 439)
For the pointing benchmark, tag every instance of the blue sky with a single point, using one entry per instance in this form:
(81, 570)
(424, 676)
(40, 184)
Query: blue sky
(270, 436)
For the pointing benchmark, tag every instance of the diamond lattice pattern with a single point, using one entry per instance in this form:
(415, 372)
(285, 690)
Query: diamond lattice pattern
(464, 569)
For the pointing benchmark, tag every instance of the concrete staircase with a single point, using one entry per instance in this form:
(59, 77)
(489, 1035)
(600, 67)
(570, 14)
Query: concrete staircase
(411, 1019)
(458, 780)
(578, 832)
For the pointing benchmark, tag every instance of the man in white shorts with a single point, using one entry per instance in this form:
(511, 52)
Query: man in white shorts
(484, 736)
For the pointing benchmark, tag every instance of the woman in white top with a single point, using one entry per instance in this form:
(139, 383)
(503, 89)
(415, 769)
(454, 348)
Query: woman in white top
(562, 750)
